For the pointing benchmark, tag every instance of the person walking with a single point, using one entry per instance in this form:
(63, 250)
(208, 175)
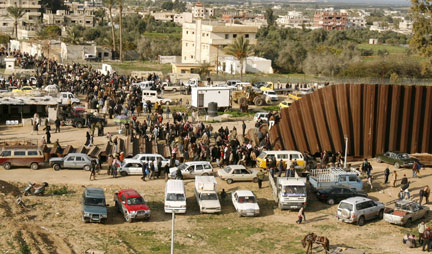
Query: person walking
(143, 170)
(301, 215)
(427, 193)
(244, 128)
(92, 171)
(110, 162)
(260, 176)
(168, 112)
(421, 229)
(47, 132)
(57, 125)
(370, 181)
(386, 175)
(394, 178)
(427, 238)
(116, 164)
(421, 195)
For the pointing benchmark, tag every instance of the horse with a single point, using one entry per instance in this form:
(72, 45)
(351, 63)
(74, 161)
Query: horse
(312, 238)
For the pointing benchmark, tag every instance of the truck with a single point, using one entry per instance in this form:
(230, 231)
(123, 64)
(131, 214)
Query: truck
(94, 207)
(67, 98)
(193, 82)
(206, 194)
(131, 204)
(168, 86)
(289, 192)
(326, 178)
(202, 96)
(405, 212)
(153, 97)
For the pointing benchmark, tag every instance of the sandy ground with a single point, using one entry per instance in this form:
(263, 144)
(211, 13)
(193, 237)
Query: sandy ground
(52, 224)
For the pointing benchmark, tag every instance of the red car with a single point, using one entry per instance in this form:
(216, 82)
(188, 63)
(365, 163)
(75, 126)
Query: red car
(130, 203)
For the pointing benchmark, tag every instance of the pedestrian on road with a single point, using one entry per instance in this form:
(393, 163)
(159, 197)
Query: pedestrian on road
(427, 193)
(421, 229)
(370, 181)
(394, 178)
(143, 169)
(301, 215)
(260, 177)
(92, 171)
(110, 162)
(421, 195)
(223, 195)
(386, 175)
(244, 128)
(427, 238)
(57, 125)
(47, 132)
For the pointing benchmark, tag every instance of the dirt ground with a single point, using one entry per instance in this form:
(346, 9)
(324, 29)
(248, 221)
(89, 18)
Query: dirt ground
(52, 224)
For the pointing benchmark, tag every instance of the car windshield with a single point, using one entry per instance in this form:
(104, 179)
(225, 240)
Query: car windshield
(182, 166)
(135, 201)
(136, 157)
(209, 196)
(175, 197)
(227, 170)
(294, 189)
(272, 93)
(344, 205)
(262, 155)
(95, 201)
(404, 156)
(247, 199)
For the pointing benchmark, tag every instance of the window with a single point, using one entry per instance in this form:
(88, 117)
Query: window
(19, 153)
(352, 178)
(203, 34)
(187, 44)
(294, 156)
(226, 36)
(192, 57)
(198, 167)
(32, 153)
(6, 153)
(237, 171)
(72, 158)
(234, 35)
(244, 171)
(106, 54)
(207, 166)
(282, 156)
(79, 158)
(246, 35)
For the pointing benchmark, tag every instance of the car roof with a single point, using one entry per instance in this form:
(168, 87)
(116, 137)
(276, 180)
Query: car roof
(174, 185)
(130, 193)
(94, 192)
(131, 161)
(244, 193)
(356, 200)
(196, 162)
(78, 154)
(236, 166)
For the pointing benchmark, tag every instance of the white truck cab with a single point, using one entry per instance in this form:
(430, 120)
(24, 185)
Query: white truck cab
(66, 98)
(175, 197)
(206, 194)
(193, 82)
(153, 97)
(289, 192)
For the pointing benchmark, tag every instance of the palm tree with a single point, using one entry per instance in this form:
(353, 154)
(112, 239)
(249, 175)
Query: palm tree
(110, 5)
(240, 49)
(100, 15)
(121, 29)
(16, 13)
(73, 37)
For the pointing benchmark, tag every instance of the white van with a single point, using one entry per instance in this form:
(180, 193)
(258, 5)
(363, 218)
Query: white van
(286, 156)
(153, 97)
(175, 197)
(144, 85)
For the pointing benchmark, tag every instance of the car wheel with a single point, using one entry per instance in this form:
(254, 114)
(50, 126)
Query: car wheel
(79, 125)
(167, 103)
(34, 166)
(127, 218)
(103, 221)
(174, 90)
(361, 221)
(381, 214)
(255, 180)
(229, 181)
(7, 166)
(396, 165)
(379, 160)
(123, 173)
(86, 167)
(330, 201)
(56, 167)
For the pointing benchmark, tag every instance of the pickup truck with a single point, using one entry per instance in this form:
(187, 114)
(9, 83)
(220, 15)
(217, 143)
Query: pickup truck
(66, 98)
(94, 207)
(206, 194)
(405, 212)
(289, 192)
(326, 178)
(130, 203)
(172, 87)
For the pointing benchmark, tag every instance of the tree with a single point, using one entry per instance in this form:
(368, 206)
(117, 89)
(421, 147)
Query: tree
(16, 13)
(421, 39)
(110, 4)
(100, 15)
(49, 32)
(168, 5)
(120, 2)
(52, 5)
(240, 49)
(269, 16)
(4, 39)
(74, 35)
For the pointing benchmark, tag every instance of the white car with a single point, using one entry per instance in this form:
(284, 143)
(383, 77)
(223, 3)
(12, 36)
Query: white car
(271, 94)
(192, 168)
(130, 167)
(150, 157)
(261, 116)
(245, 203)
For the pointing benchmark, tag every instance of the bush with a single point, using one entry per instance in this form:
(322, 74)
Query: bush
(57, 190)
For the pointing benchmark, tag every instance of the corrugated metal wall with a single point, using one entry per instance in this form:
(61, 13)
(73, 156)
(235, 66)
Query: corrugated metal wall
(375, 118)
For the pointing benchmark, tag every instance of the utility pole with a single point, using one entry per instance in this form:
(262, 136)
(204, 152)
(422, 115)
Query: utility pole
(346, 151)
(172, 232)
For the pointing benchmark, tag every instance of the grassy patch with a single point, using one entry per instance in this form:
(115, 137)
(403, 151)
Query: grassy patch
(271, 108)
(128, 66)
(391, 49)
(57, 190)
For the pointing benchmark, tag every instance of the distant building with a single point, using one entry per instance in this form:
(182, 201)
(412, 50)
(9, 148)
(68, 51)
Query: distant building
(294, 19)
(163, 16)
(330, 20)
(373, 41)
(184, 17)
(199, 11)
(77, 14)
(252, 64)
(27, 24)
(357, 22)
(405, 26)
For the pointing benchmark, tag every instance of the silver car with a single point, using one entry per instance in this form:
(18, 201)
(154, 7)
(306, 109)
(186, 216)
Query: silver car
(359, 209)
(72, 160)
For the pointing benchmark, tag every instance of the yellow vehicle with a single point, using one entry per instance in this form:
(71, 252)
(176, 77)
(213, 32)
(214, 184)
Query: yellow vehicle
(285, 104)
(287, 158)
(24, 89)
(296, 95)
(267, 87)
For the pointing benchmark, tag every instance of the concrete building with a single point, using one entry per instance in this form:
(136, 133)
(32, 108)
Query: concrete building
(252, 64)
(330, 20)
(294, 19)
(204, 41)
(184, 17)
(163, 16)
(405, 26)
(77, 52)
(357, 22)
(199, 11)
(27, 24)
(66, 18)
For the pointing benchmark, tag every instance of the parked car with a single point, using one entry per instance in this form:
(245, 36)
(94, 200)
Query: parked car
(24, 89)
(175, 197)
(150, 157)
(271, 95)
(130, 203)
(192, 168)
(94, 205)
(285, 104)
(296, 95)
(130, 167)
(21, 156)
(335, 194)
(405, 212)
(359, 209)
(397, 159)
(237, 173)
(261, 116)
(245, 203)
(72, 160)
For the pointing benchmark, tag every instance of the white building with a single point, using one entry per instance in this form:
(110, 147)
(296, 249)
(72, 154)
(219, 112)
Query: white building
(356, 22)
(27, 24)
(294, 19)
(204, 41)
(252, 64)
(405, 26)
(184, 17)
(199, 11)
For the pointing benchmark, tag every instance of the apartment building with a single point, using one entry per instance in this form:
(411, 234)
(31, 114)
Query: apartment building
(27, 24)
(204, 41)
(77, 14)
(199, 11)
(330, 20)
(294, 19)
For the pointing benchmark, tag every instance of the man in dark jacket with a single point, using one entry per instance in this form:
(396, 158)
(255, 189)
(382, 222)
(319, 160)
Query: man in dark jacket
(386, 175)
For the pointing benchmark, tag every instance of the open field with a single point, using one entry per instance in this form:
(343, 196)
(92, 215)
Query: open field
(52, 224)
